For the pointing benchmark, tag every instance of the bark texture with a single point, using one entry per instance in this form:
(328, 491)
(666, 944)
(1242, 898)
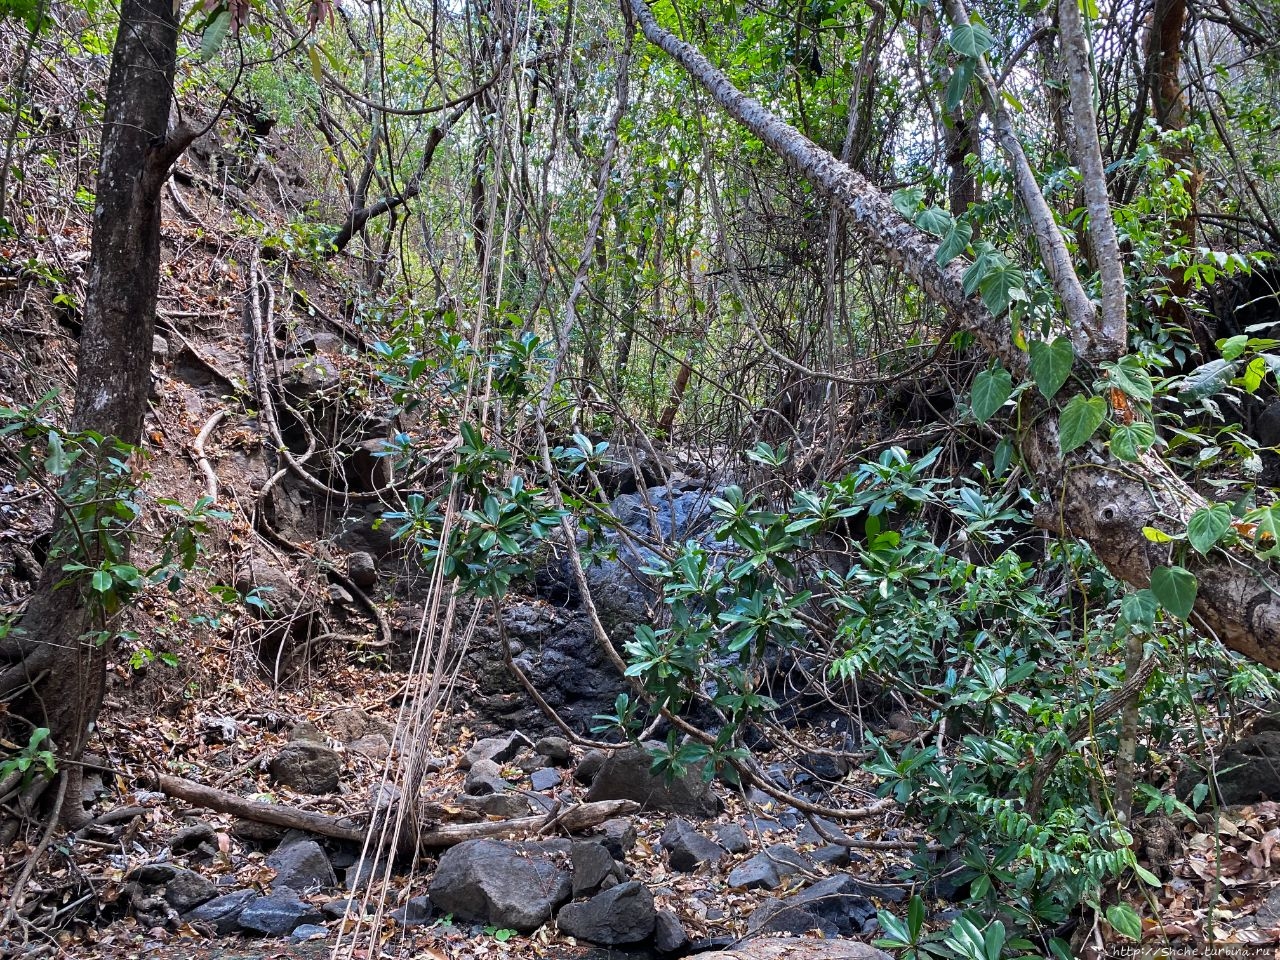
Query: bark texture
(1089, 495)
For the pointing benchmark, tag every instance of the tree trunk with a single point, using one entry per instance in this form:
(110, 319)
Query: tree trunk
(59, 679)
(1089, 494)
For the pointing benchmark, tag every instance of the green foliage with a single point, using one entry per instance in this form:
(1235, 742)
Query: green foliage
(31, 760)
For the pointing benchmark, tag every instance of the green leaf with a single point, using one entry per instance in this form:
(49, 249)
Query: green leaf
(1130, 439)
(1207, 526)
(934, 220)
(1000, 286)
(1138, 609)
(1157, 536)
(1126, 922)
(1232, 347)
(1131, 378)
(1175, 588)
(1206, 380)
(101, 581)
(1051, 364)
(907, 201)
(961, 77)
(1080, 418)
(970, 39)
(1253, 374)
(214, 35)
(954, 243)
(991, 388)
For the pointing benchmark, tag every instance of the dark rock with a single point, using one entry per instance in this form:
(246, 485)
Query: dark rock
(508, 806)
(628, 775)
(547, 779)
(594, 868)
(302, 867)
(362, 570)
(485, 778)
(830, 854)
(619, 916)
(257, 834)
(809, 834)
(497, 749)
(153, 874)
(222, 912)
(305, 730)
(414, 913)
(186, 890)
(1249, 769)
(197, 840)
(767, 869)
(776, 916)
(506, 884)
(373, 745)
(824, 766)
(307, 767)
(669, 934)
(358, 876)
(834, 903)
(351, 723)
(555, 749)
(278, 914)
(337, 909)
(530, 762)
(308, 931)
(618, 835)
(733, 838)
(589, 766)
(686, 848)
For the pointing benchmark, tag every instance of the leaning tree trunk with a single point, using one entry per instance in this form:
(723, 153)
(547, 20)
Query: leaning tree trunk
(1089, 494)
(58, 679)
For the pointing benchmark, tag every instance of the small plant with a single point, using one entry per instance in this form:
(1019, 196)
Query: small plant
(32, 759)
(501, 934)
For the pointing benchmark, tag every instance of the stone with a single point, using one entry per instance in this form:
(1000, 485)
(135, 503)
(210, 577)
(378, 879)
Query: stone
(257, 834)
(809, 833)
(788, 948)
(628, 775)
(337, 909)
(307, 767)
(308, 931)
(485, 778)
(362, 570)
(414, 913)
(278, 914)
(594, 868)
(198, 840)
(556, 749)
(1249, 770)
(222, 913)
(835, 906)
(589, 766)
(767, 869)
(831, 855)
(307, 731)
(302, 867)
(372, 745)
(503, 883)
(508, 806)
(686, 848)
(547, 779)
(159, 348)
(733, 838)
(669, 934)
(618, 835)
(186, 890)
(351, 723)
(497, 749)
(825, 766)
(778, 917)
(619, 916)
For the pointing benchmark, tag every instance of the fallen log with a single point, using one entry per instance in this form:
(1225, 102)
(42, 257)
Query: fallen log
(573, 819)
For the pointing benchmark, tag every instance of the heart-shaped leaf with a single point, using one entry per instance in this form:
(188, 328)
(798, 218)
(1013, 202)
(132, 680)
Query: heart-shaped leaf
(1175, 588)
(1080, 418)
(1207, 526)
(1051, 364)
(991, 388)
(1130, 439)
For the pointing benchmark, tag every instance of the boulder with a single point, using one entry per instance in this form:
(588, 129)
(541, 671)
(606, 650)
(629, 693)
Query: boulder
(669, 934)
(594, 868)
(485, 778)
(362, 569)
(547, 779)
(414, 913)
(618, 835)
(374, 746)
(278, 914)
(198, 841)
(767, 869)
(798, 949)
(186, 890)
(302, 866)
(497, 749)
(686, 848)
(1249, 769)
(222, 913)
(503, 883)
(834, 905)
(507, 806)
(306, 731)
(628, 775)
(307, 767)
(349, 724)
(620, 916)
(555, 749)
(308, 931)
(733, 838)
(589, 766)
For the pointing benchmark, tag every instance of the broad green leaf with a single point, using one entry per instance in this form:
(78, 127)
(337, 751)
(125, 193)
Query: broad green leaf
(970, 39)
(954, 243)
(1253, 374)
(934, 220)
(1132, 379)
(907, 201)
(1125, 921)
(1080, 418)
(56, 461)
(991, 388)
(1207, 526)
(1207, 379)
(1138, 609)
(1175, 588)
(958, 85)
(1232, 347)
(214, 35)
(1051, 364)
(101, 581)
(1000, 286)
(1130, 439)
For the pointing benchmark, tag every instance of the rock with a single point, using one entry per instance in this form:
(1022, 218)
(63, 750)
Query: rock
(669, 934)
(278, 914)
(733, 838)
(497, 749)
(503, 883)
(778, 917)
(351, 723)
(508, 806)
(159, 348)
(809, 834)
(414, 913)
(619, 916)
(305, 730)
(337, 909)
(1268, 915)
(186, 890)
(302, 867)
(307, 767)
(589, 766)
(197, 840)
(308, 931)
(222, 912)
(258, 834)
(358, 876)
(832, 855)
(485, 778)
(835, 906)
(618, 835)
(825, 767)
(362, 570)
(555, 749)
(594, 868)
(547, 779)
(530, 762)
(767, 869)
(373, 745)
(627, 775)
(795, 949)
(1249, 769)
(686, 848)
